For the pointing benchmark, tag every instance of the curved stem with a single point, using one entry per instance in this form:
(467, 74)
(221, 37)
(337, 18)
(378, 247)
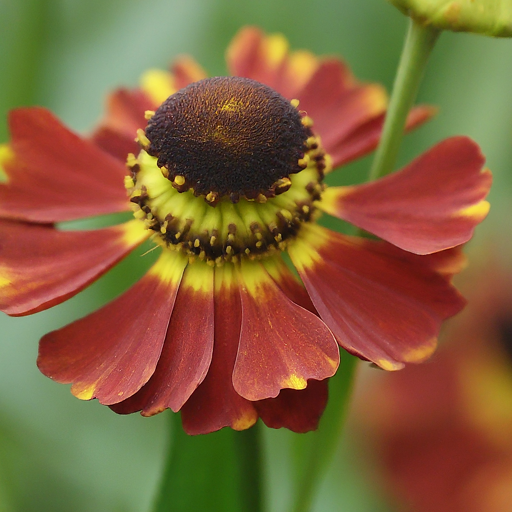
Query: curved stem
(418, 45)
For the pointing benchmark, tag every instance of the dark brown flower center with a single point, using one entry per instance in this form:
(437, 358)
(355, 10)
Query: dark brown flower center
(228, 136)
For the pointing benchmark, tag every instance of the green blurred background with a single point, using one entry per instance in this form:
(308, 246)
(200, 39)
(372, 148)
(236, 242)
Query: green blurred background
(60, 454)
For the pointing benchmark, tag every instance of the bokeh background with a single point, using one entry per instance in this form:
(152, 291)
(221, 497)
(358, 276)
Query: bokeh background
(59, 454)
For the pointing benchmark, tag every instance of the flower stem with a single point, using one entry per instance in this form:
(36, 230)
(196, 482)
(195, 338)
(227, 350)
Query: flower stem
(248, 448)
(419, 42)
(217, 472)
(323, 443)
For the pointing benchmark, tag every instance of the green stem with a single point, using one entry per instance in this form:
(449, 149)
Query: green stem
(248, 448)
(218, 472)
(418, 45)
(323, 443)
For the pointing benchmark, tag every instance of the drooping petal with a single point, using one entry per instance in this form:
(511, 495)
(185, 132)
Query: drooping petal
(282, 345)
(364, 139)
(381, 306)
(111, 353)
(187, 351)
(215, 403)
(432, 204)
(186, 70)
(158, 85)
(296, 410)
(54, 175)
(41, 266)
(254, 55)
(337, 106)
(124, 115)
(288, 283)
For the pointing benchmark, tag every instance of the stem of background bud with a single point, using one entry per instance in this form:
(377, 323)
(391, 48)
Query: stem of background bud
(322, 445)
(419, 42)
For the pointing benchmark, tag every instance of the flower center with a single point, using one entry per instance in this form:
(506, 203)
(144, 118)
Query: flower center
(228, 136)
(229, 169)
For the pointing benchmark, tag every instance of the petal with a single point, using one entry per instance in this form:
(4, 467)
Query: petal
(252, 54)
(365, 138)
(281, 344)
(125, 114)
(54, 175)
(215, 403)
(380, 304)
(111, 354)
(41, 266)
(432, 204)
(187, 351)
(186, 71)
(288, 283)
(158, 85)
(338, 110)
(296, 410)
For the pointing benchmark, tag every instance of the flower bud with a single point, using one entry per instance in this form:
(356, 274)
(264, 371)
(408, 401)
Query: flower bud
(488, 17)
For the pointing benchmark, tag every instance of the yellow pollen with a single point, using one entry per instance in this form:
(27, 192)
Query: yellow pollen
(197, 242)
(149, 114)
(141, 138)
(307, 121)
(179, 180)
(295, 102)
(213, 239)
(131, 160)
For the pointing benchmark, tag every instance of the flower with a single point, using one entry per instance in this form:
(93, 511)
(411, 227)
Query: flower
(442, 431)
(226, 178)
(481, 16)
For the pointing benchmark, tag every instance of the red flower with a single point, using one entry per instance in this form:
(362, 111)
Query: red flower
(442, 430)
(230, 176)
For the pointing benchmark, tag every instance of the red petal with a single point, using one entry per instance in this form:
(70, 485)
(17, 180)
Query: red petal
(281, 344)
(381, 306)
(215, 403)
(54, 175)
(112, 353)
(186, 71)
(253, 54)
(432, 204)
(365, 138)
(187, 351)
(299, 411)
(288, 283)
(125, 114)
(41, 266)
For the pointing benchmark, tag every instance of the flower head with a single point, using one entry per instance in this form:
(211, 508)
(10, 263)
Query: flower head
(226, 176)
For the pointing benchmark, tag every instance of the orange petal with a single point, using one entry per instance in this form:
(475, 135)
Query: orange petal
(54, 175)
(281, 344)
(265, 58)
(125, 114)
(186, 70)
(187, 351)
(111, 354)
(41, 266)
(215, 403)
(380, 305)
(298, 411)
(364, 138)
(432, 204)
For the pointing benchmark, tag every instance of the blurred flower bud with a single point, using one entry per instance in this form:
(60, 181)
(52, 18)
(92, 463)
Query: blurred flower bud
(489, 17)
